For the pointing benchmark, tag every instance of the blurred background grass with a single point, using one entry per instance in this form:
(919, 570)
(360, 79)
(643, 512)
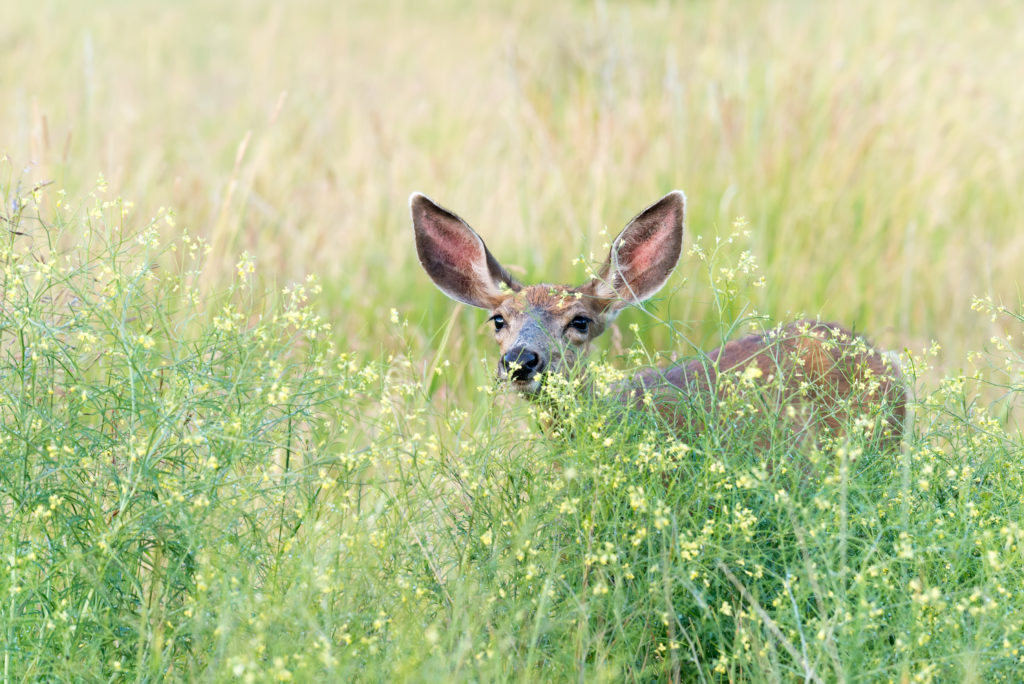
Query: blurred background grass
(876, 149)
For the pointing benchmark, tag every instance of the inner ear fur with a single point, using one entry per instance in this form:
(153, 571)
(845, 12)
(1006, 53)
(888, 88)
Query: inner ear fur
(456, 258)
(643, 255)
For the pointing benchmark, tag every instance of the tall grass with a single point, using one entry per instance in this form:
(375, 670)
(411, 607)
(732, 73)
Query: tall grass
(201, 485)
(874, 148)
(242, 437)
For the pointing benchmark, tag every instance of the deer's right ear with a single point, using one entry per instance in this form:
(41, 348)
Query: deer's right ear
(455, 257)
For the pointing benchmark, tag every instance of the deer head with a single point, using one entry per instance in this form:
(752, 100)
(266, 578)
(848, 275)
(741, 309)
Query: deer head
(548, 328)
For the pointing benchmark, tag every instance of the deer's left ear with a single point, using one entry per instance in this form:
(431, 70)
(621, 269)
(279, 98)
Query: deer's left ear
(644, 254)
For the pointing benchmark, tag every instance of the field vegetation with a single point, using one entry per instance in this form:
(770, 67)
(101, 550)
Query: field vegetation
(243, 437)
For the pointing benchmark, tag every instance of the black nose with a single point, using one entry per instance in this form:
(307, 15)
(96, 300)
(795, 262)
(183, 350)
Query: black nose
(521, 364)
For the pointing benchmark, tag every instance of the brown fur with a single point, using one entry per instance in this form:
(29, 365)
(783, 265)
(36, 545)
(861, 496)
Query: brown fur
(810, 374)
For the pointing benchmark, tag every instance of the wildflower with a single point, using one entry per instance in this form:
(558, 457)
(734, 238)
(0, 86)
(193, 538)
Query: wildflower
(245, 265)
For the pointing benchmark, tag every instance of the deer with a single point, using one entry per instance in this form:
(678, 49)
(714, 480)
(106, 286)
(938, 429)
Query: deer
(814, 376)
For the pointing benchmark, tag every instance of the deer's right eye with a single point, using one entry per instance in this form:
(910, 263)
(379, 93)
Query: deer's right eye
(499, 322)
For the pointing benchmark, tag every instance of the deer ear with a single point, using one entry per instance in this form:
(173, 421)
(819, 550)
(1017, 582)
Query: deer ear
(455, 257)
(644, 254)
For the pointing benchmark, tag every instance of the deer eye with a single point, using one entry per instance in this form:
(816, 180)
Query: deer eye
(499, 322)
(580, 323)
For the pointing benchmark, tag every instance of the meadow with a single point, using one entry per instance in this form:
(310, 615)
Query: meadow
(243, 437)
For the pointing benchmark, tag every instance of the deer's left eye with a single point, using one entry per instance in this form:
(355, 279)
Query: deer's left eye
(580, 324)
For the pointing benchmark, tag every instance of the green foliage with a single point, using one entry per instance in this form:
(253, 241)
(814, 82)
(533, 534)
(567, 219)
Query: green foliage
(198, 484)
(144, 428)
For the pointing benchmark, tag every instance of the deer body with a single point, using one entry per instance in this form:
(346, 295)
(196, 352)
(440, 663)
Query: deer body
(814, 373)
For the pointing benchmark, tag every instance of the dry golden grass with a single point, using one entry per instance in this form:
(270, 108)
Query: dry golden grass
(876, 149)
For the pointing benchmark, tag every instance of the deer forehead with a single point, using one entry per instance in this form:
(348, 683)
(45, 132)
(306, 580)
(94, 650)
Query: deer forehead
(548, 300)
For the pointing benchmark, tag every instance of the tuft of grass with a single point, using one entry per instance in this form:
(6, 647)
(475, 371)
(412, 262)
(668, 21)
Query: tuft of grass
(149, 433)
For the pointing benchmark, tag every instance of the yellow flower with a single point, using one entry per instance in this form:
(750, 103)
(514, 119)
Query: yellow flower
(752, 373)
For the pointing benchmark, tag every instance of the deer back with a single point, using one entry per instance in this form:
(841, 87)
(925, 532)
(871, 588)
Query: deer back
(815, 376)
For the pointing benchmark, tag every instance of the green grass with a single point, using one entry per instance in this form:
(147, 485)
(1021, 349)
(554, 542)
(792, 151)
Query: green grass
(201, 485)
(244, 437)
